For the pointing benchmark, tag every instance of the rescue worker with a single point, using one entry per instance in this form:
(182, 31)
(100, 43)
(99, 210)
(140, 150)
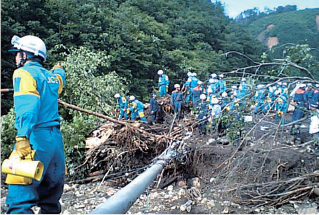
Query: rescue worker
(202, 110)
(154, 108)
(221, 84)
(259, 98)
(122, 105)
(234, 98)
(315, 97)
(282, 108)
(136, 108)
(224, 100)
(215, 113)
(37, 122)
(163, 83)
(270, 105)
(197, 91)
(193, 83)
(177, 100)
(186, 87)
(243, 88)
(308, 95)
(299, 102)
(314, 124)
(242, 92)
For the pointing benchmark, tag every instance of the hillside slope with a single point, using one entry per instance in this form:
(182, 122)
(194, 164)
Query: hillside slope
(290, 27)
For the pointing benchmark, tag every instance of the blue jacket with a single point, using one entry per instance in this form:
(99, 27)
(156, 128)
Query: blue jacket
(122, 103)
(177, 96)
(193, 82)
(153, 105)
(222, 86)
(163, 80)
(35, 97)
(259, 96)
(136, 105)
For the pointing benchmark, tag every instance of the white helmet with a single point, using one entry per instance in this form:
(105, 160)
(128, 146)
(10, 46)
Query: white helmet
(284, 84)
(202, 96)
(199, 82)
(214, 101)
(214, 75)
(117, 95)
(177, 86)
(317, 85)
(279, 83)
(302, 86)
(309, 84)
(224, 94)
(221, 76)
(132, 98)
(160, 72)
(234, 87)
(189, 74)
(209, 90)
(243, 79)
(194, 74)
(30, 44)
(259, 86)
(211, 80)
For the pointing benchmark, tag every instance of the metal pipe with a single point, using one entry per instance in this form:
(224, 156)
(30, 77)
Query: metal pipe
(121, 201)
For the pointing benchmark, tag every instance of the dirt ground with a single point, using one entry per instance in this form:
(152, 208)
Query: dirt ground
(223, 178)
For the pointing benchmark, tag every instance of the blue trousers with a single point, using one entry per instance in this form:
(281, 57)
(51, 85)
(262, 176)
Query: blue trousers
(123, 113)
(47, 192)
(162, 89)
(139, 113)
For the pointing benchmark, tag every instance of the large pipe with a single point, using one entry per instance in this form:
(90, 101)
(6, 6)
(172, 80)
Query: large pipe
(121, 201)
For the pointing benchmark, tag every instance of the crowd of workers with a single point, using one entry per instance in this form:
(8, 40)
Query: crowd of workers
(211, 98)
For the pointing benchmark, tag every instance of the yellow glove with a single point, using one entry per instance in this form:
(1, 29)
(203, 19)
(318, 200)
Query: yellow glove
(23, 147)
(227, 108)
(280, 113)
(166, 88)
(58, 66)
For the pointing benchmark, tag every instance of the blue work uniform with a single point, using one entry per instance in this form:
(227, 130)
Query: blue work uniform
(298, 113)
(176, 101)
(122, 105)
(137, 108)
(154, 108)
(188, 90)
(315, 97)
(163, 82)
(308, 96)
(197, 91)
(222, 86)
(193, 83)
(35, 97)
(259, 97)
(202, 110)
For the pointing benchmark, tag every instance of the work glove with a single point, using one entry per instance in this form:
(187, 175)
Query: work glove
(23, 147)
(58, 66)
(152, 112)
(166, 88)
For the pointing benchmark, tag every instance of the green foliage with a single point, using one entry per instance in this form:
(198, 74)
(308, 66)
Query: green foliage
(8, 133)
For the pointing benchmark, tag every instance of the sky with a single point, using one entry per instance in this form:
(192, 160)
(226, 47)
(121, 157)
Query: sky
(235, 7)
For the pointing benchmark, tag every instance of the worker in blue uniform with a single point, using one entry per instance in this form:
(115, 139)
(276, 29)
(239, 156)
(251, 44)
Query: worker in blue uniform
(122, 105)
(270, 99)
(315, 97)
(177, 100)
(282, 108)
(37, 122)
(308, 95)
(197, 91)
(193, 83)
(243, 90)
(154, 108)
(136, 108)
(259, 98)
(300, 106)
(186, 87)
(202, 111)
(163, 83)
(221, 84)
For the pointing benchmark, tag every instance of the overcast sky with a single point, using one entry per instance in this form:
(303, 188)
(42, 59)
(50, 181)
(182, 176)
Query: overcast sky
(235, 7)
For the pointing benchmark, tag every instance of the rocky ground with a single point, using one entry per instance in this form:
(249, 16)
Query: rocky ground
(203, 191)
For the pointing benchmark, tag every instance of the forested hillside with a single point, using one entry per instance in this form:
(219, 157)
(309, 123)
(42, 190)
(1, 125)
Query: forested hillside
(297, 27)
(138, 36)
